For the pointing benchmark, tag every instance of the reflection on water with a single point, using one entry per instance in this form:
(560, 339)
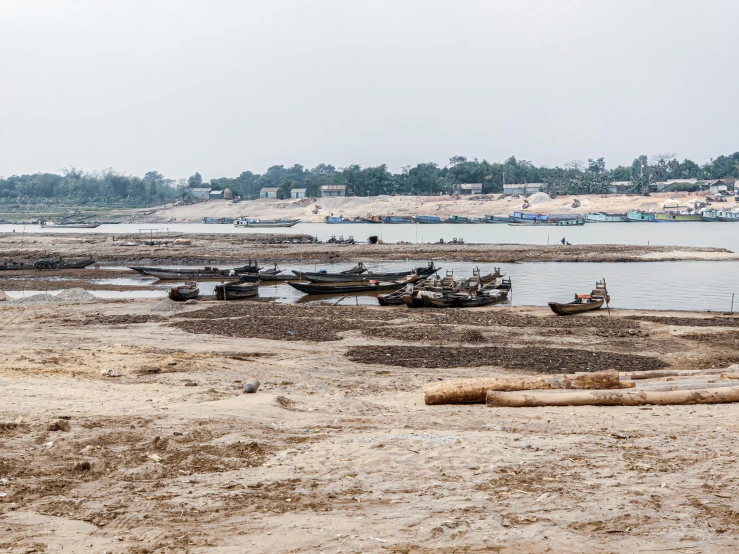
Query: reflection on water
(724, 235)
(683, 285)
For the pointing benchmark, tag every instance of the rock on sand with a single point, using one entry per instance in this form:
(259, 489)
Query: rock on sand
(76, 295)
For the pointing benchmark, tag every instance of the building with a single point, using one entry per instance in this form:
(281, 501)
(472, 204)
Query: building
(333, 190)
(619, 187)
(216, 195)
(470, 188)
(268, 192)
(298, 193)
(227, 194)
(200, 193)
(523, 189)
(718, 187)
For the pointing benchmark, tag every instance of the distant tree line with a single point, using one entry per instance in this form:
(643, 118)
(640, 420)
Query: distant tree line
(75, 187)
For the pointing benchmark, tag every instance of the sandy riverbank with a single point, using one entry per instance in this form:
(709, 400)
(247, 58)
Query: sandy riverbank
(338, 451)
(470, 206)
(223, 250)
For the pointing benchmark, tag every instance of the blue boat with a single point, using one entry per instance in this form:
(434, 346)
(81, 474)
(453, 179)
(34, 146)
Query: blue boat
(397, 219)
(497, 219)
(210, 220)
(426, 219)
(341, 219)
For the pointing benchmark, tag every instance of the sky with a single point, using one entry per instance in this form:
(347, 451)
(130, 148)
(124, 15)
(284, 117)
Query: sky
(225, 86)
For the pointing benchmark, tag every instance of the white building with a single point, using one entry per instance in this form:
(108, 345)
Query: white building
(268, 192)
(298, 193)
(333, 190)
(200, 193)
(470, 188)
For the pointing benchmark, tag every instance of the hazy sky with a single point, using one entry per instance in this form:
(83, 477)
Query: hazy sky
(224, 86)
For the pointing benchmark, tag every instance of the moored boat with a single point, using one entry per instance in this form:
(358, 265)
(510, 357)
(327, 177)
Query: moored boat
(236, 290)
(317, 277)
(253, 222)
(584, 302)
(639, 216)
(497, 219)
(188, 291)
(397, 219)
(604, 217)
(427, 219)
(348, 288)
(727, 215)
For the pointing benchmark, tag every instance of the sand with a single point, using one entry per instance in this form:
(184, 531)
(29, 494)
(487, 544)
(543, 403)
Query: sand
(338, 452)
(473, 206)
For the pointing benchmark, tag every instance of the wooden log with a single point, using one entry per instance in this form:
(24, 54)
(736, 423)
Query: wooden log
(678, 385)
(621, 397)
(469, 391)
(657, 373)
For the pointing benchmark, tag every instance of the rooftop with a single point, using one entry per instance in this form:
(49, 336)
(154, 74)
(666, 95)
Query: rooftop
(269, 189)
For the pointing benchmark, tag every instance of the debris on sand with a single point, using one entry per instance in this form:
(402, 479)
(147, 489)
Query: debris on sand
(42, 298)
(76, 295)
(252, 385)
(3, 296)
(167, 305)
(110, 373)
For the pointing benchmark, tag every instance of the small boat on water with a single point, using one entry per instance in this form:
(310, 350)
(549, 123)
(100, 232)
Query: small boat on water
(603, 217)
(253, 222)
(584, 302)
(334, 219)
(394, 298)
(236, 290)
(188, 291)
(348, 288)
(349, 278)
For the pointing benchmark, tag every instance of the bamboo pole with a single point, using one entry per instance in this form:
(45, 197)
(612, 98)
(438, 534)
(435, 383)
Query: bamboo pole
(465, 391)
(631, 397)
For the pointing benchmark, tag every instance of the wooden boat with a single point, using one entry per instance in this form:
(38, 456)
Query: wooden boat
(236, 290)
(637, 216)
(188, 291)
(61, 223)
(79, 264)
(357, 269)
(200, 273)
(727, 216)
(584, 302)
(349, 278)
(310, 288)
(191, 275)
(397, 219)
(394, 298)
(475, 301)
(278, 278)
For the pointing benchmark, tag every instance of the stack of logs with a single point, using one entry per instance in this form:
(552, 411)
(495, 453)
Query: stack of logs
(602, 388)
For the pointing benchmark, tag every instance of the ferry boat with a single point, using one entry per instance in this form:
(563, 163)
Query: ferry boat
(636, 215)
(252, 222)
(456, 219)
(727, 215)
(522, 217)
(709, 215)
(602, 217)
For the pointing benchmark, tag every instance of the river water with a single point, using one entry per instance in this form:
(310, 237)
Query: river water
(724, 235)
(691, 285)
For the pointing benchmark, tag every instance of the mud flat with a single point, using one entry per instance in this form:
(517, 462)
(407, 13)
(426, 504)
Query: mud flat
(220, 249)
(337, 451)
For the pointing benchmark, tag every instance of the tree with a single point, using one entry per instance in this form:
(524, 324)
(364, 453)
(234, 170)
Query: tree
(454, 160)
(195, 181)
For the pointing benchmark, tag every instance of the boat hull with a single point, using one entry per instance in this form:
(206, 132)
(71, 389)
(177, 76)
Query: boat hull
(310, 288)
(576, 307)
(181, 294)
(356, 278)
(236, 291)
